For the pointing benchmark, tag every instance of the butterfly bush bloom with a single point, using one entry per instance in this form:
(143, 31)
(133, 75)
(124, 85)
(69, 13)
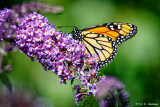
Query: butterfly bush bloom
(7, 30)
(22, 97)
(29, 7)
(7, 25)
(111, 92)
(58, 52)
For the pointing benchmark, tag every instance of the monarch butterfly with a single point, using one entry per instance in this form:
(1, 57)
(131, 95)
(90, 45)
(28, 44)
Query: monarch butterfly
(104, 39)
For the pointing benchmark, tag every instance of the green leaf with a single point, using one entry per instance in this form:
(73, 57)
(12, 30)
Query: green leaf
(5, 80)
(72, 85)
(72, 80)
(90, 101)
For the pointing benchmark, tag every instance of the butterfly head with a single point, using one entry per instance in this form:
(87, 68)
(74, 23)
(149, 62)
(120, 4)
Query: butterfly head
(76, 33)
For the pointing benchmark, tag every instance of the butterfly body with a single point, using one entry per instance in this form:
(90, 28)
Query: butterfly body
(104, 39)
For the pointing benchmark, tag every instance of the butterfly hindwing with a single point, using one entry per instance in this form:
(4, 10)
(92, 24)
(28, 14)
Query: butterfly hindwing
(104, 39)
(105, 47)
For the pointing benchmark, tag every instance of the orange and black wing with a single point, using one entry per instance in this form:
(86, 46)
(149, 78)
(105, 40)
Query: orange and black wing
(104, 39)
(113, 30)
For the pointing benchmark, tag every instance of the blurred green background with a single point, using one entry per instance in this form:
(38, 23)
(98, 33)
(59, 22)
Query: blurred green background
(137, 63)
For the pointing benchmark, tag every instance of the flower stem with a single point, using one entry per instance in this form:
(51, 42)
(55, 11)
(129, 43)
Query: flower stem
(1, 57)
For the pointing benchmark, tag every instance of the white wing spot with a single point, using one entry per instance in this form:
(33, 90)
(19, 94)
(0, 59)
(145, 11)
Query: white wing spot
(112, 28)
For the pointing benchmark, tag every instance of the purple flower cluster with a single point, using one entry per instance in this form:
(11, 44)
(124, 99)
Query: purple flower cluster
(7, 24)
(22, 97)
(29, 7)
(111, 92)
(56, 51)
(7, 30)
(89, 81)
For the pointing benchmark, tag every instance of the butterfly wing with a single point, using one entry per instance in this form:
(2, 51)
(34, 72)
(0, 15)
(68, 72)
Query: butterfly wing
(104, 39)
(113, 30)
(101, 45)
